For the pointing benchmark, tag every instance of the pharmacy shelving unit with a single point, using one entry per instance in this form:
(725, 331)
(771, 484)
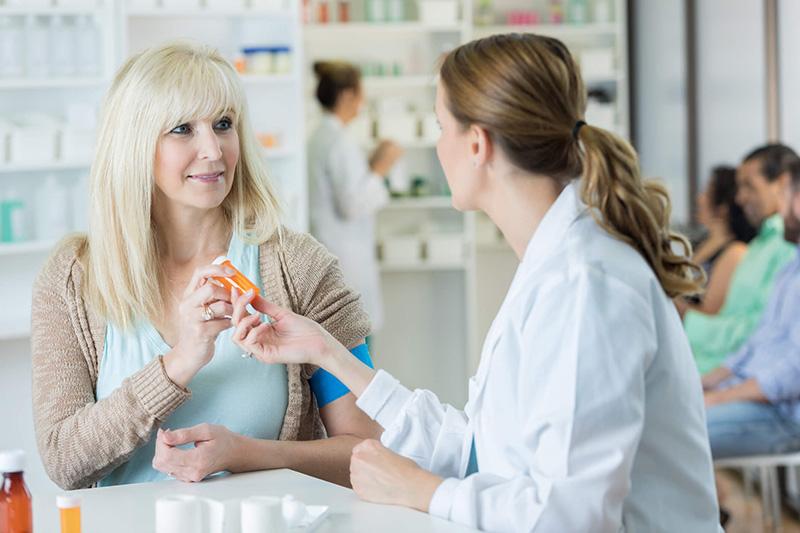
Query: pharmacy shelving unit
(436, 314)
(275, 100)
(21, 261)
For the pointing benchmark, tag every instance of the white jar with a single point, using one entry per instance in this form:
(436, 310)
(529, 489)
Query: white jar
(282, 60)
(12, 45)
(259, 60)
(51, 215)
(86, 46)
(62, 46)
(37, 47)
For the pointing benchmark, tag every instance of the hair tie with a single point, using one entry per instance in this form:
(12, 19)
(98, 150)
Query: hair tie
(577, 128)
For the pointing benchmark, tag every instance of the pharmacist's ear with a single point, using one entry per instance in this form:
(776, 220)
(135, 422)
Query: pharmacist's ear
(481, 146)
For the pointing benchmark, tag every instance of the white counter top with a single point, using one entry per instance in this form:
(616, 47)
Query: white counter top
(131, 508)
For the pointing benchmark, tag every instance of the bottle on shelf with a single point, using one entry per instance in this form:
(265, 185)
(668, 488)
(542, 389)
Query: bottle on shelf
(51, 209)
(37, 47)
(602, 11)
(484, 13)
(16, 515)
(395, 10)
(12, 216)
(86, 46)
(62, 46)
(556, 10)
(12, 43)
(577, 11)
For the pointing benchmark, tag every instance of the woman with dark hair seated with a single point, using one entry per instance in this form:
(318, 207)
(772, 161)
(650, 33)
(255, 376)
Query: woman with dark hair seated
(728, 232)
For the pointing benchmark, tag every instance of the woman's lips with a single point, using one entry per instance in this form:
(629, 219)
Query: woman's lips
(207, 178)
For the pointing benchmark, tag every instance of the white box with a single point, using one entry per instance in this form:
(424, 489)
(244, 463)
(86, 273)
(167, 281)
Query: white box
(33, 139)
(399, 127)
(445, 249)
(597, 63)
(429, 127)
(438, 12)
(401, 250)
(77, 144)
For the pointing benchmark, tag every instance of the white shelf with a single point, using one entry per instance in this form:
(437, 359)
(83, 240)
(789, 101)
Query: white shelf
(422, 267)
(267, 79)
(13, 329)
(200, 12)
(45, 166)
(399, 82)
(560, 31)
(51, 83)
(49, 10)
(423, 202)
(383, 28)
(26, 248)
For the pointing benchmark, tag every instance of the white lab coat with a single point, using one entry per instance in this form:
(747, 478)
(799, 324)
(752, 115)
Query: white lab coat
(344, 197)
(586, 409)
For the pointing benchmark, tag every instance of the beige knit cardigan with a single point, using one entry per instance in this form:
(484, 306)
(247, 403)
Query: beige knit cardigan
(81, 439)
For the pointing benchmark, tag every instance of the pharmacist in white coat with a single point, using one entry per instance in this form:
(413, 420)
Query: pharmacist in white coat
(586, 412)
(347, 189)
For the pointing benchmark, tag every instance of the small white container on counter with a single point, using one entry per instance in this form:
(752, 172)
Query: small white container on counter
(401, 250)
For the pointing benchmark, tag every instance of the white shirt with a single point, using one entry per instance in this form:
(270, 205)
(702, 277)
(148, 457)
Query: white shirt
(344, 197)
(586, 410)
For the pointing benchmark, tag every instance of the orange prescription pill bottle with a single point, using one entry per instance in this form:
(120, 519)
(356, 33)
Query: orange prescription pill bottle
(237, 280)
(69, 508)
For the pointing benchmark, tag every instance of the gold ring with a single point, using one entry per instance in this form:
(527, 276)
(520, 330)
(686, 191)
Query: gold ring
(208, 314)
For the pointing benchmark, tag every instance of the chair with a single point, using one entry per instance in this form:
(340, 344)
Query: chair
(767, 467)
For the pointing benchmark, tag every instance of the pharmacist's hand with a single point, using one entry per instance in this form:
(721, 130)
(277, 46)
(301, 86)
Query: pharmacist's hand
(204, 313)
(289, 338)
(379, 475)
(214, 447)
(384, 157)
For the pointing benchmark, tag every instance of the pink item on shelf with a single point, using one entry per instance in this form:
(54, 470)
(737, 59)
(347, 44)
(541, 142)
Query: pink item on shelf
(521, 17)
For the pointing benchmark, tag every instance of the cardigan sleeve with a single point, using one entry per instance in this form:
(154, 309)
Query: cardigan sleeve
(81, 439)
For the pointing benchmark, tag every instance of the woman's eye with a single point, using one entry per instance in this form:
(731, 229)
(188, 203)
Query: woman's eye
(224, 124)
(181, 130)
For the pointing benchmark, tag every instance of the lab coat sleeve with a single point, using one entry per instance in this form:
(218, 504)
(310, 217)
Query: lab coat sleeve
(357, 191)
(584, 347)
(416, 425)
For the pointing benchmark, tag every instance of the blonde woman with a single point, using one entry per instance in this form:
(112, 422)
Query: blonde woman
(586, 412)
(128, 333)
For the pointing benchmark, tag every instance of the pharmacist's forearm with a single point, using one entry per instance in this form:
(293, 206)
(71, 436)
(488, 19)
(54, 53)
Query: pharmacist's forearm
(327, 459)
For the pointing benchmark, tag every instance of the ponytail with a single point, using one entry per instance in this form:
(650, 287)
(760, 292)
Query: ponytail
(635, 211)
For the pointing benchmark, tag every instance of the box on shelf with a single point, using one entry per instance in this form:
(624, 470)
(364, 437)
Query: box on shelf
(400, 127)
(445, 248)
(597, 62)
(77, 144)
(34, 139)
(429, 127)
(438, 12)
(401, 250)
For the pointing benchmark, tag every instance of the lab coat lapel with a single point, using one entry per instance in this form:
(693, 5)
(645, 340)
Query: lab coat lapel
(550, 234)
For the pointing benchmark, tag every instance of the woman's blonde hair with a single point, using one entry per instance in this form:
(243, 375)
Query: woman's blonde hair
(153, 92)
(527, 92)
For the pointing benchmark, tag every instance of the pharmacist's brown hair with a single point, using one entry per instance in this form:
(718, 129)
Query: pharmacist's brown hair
(526, 91)
(335, 77)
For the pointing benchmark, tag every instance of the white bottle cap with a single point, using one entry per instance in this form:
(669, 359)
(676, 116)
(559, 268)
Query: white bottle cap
(12, 461)
(219, 260)
(67, 501)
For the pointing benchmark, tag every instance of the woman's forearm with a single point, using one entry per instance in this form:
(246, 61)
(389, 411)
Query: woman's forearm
(349, 370)
(327, 459)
